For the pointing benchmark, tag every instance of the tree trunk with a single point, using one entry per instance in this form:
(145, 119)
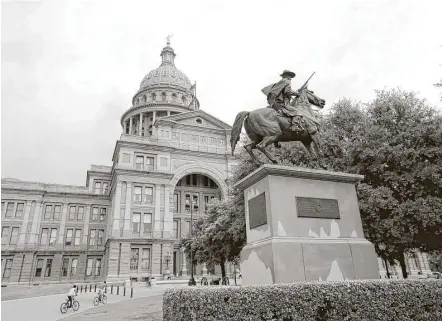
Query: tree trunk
(223, 269)
(403, 266)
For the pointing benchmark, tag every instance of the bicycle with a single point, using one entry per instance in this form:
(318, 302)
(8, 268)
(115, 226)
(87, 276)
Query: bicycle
(97, 299)
(66, 305)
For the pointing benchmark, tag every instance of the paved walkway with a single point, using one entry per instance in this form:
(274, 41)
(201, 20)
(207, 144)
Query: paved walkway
(47, 308)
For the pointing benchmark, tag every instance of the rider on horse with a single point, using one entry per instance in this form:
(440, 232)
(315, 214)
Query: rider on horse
(279, 96)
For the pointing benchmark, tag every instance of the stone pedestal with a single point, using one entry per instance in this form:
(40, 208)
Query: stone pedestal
(303, 225)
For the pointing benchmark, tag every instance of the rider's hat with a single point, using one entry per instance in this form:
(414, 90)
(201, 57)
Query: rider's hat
(288, 73)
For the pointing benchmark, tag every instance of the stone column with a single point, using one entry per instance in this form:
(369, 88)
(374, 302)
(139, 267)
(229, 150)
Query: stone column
(116, 212)
(64, 211)
(168, 215)
(154, 117)
(183, 264)
(412, 267)
(140, 127)
(157, 215)
(204, 269)
(168, 113)
(87, 216)
(33, 239)
(127, 213)
(130, 125)
(124, 127)
(24, 226)
(382, 269)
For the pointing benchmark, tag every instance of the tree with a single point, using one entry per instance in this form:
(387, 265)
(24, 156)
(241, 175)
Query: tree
(435, 260)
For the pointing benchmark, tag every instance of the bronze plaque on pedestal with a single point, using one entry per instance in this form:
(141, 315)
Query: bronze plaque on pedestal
(257, 211)
(317, 208)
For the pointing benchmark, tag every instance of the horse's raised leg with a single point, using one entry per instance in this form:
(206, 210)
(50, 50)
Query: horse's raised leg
(249, 148)
(264, 143)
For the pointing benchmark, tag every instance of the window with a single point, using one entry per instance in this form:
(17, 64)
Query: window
(149, 164)
(77, 237)
(48, 212)
(154, 97)
(163, 96)
(148, 194)
(72, 212)
(98, 267)
(65, 267)
(94, 213)
(139, 163)
(19, 210)
(137, 194)
(147, 223)
(100, 241)
(14, 236)
(57, 210)
(192, 203)
(134, 253)
(53, 239)
(44, 236)
(80, 213)
(195, 203)
(175, 228)
(48, 267)
(174, 97)
(8, 267)
(105, 188)
(206, 181)
(9, 210)
(89, 266)
(188, 180)
(39, 267)
(136, 222)
(97, 188)
(92, 237)
(69, 235)
(175, 202)
(5, 235)
(74, 267)
(145, 259)
(102, 214)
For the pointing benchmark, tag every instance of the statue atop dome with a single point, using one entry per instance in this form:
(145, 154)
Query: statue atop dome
(168, 39)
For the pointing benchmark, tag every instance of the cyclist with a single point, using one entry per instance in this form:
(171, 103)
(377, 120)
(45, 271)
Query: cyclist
(71, 294)
(101, 290)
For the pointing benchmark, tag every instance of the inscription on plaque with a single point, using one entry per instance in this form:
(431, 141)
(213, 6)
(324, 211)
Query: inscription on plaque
(317, 208)
(257, 211)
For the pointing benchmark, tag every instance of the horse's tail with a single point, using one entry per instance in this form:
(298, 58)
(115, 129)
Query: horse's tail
(236, 129)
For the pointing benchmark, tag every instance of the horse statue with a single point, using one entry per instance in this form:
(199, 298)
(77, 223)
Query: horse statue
(265, 126)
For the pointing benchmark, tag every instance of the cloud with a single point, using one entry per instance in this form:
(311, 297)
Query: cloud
(71, 68)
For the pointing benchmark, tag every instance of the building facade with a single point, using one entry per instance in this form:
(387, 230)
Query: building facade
(126, 222)
(171, 159)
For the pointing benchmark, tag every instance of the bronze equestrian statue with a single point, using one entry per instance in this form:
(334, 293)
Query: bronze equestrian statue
(284, 120)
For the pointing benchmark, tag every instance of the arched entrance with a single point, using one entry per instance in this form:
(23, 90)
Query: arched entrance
(193, 188)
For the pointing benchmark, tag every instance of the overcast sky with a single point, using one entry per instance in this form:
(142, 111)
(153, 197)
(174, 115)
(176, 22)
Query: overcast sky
(71, 68)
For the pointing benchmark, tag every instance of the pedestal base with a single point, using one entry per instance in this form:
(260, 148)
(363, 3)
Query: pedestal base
(286, 260)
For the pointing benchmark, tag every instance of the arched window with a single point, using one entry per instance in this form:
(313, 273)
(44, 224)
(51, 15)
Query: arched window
(154, 97)
(150, 130)
(183, 98)
(144, 98)
(163, 96)
(137, 101)
(174, 97)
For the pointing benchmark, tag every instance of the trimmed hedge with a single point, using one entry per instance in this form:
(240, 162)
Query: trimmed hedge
(323, 301)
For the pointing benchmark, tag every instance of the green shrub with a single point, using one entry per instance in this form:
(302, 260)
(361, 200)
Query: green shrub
(349, 300)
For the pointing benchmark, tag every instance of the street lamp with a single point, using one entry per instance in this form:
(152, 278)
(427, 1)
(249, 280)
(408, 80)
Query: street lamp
(191, 203)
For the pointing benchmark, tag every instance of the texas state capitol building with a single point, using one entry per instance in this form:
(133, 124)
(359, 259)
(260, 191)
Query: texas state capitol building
(171, 159)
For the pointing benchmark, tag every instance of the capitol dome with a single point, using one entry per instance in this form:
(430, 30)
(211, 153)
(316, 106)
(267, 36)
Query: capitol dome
(167, 73)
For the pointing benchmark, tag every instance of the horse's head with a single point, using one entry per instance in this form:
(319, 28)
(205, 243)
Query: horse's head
(313, 99)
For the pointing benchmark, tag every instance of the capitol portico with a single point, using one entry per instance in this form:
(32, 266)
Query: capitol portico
(171, 159)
